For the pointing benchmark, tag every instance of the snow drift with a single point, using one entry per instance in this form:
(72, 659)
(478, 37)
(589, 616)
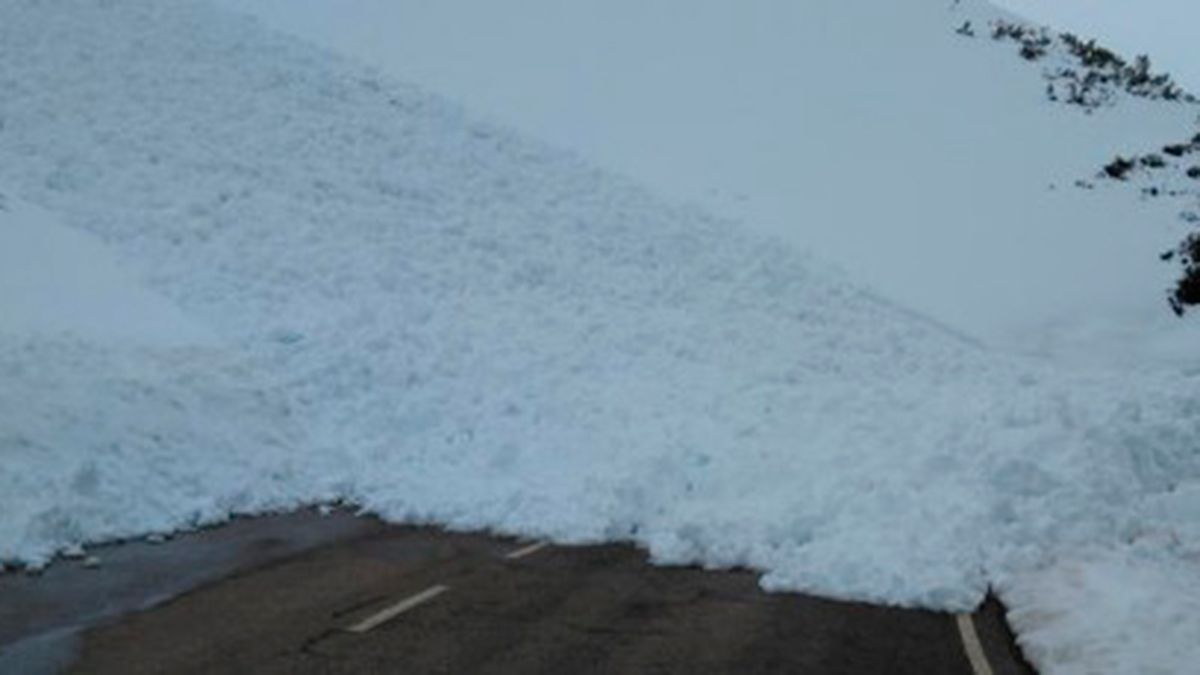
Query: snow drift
(442, 321)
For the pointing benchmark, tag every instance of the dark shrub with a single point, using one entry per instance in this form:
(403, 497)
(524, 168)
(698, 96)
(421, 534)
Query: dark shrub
(1118, 168)
(1187, 289)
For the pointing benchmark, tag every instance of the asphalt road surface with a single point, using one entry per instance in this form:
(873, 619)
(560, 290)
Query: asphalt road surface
(304, 593)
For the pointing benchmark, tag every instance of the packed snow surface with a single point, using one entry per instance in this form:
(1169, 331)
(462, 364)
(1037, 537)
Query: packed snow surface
(440, 320)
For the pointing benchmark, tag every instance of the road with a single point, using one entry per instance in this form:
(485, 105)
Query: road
(303, 593)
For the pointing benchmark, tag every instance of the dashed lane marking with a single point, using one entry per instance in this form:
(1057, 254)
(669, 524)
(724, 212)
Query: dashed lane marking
(527, 550)
(970, 640)
(397, 609)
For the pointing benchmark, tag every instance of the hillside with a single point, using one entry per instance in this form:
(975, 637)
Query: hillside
(927, 164)
(441, 320)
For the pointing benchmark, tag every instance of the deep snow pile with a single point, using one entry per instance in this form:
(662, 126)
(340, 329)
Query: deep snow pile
(102, 442)
(440, 320)
(118, 415)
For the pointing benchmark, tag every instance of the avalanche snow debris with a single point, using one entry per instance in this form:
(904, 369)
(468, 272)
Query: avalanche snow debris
(102, 442)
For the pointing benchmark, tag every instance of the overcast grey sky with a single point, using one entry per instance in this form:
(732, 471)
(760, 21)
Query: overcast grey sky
(1164, 29)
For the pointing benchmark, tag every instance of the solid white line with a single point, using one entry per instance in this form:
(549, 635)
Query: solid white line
(528, 550)
(970, 640)
(397, 609)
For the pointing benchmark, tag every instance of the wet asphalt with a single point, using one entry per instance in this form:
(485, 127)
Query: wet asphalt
(278, 595)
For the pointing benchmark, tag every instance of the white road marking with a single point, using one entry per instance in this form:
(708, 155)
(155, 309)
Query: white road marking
(970, 640)
(397, 609)
(528, 550)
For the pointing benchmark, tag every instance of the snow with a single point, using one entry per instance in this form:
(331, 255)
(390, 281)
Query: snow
(56, 280)
(104, 442)
(1161, 28)
(119, 414)
(1080, 614)
(866, 132)
(441, 320)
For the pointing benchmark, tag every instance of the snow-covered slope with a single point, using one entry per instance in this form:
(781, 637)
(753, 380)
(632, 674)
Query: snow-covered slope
(1162, 28)
(926, 163)
(441, 320)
